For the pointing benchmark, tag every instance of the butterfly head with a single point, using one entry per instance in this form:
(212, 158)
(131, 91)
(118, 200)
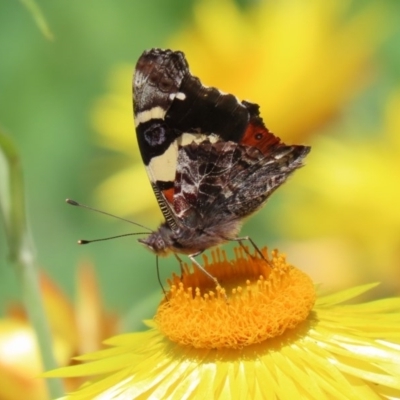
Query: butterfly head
(159, 242)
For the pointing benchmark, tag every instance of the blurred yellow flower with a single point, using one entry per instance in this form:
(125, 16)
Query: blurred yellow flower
(350, 196)
(75, 330)
(255, 338)
(301, 61)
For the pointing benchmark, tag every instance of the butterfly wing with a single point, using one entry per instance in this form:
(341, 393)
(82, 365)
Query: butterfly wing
(172, 108)
(200, 145)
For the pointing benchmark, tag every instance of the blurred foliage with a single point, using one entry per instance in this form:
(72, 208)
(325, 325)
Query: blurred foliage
(49, 89)
(38, 17)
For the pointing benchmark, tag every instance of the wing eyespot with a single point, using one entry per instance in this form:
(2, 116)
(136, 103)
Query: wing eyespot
(155, 135)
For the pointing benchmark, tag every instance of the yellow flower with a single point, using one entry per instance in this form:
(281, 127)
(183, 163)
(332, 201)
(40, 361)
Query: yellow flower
(351, 198)
(301, 61)
(260, 336)
(75, 330)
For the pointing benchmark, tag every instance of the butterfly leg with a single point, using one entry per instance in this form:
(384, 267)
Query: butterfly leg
(240, 241)
(195, 262)
(180, 264)
(159, 279)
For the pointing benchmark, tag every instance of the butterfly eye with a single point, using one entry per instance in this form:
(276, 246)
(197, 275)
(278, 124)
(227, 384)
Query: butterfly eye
(258, 136)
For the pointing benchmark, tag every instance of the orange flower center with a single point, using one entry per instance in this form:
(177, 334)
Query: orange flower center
(257, 300)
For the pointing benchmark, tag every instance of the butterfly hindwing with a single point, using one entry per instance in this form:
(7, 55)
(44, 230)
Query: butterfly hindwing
(221, 181)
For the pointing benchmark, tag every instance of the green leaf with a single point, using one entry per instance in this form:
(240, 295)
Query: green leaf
(12, 207)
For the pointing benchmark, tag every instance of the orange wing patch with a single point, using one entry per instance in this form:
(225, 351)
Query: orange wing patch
(169, 195)
(257, 135)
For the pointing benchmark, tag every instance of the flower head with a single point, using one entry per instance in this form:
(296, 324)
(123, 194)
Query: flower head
(216, 343)
(259, 301)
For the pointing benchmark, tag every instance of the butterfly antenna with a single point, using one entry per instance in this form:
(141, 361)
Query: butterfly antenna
(75, 203)
(83, 241)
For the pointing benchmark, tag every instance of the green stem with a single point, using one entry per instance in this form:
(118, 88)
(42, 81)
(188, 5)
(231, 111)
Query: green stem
(22, 256)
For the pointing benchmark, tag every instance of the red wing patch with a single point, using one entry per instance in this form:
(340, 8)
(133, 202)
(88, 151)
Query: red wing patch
(257, 135)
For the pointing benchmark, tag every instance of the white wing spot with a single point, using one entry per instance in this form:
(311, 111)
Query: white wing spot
(180, 96)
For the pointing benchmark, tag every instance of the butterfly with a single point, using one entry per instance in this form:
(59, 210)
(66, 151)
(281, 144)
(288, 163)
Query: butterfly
(209, 157)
